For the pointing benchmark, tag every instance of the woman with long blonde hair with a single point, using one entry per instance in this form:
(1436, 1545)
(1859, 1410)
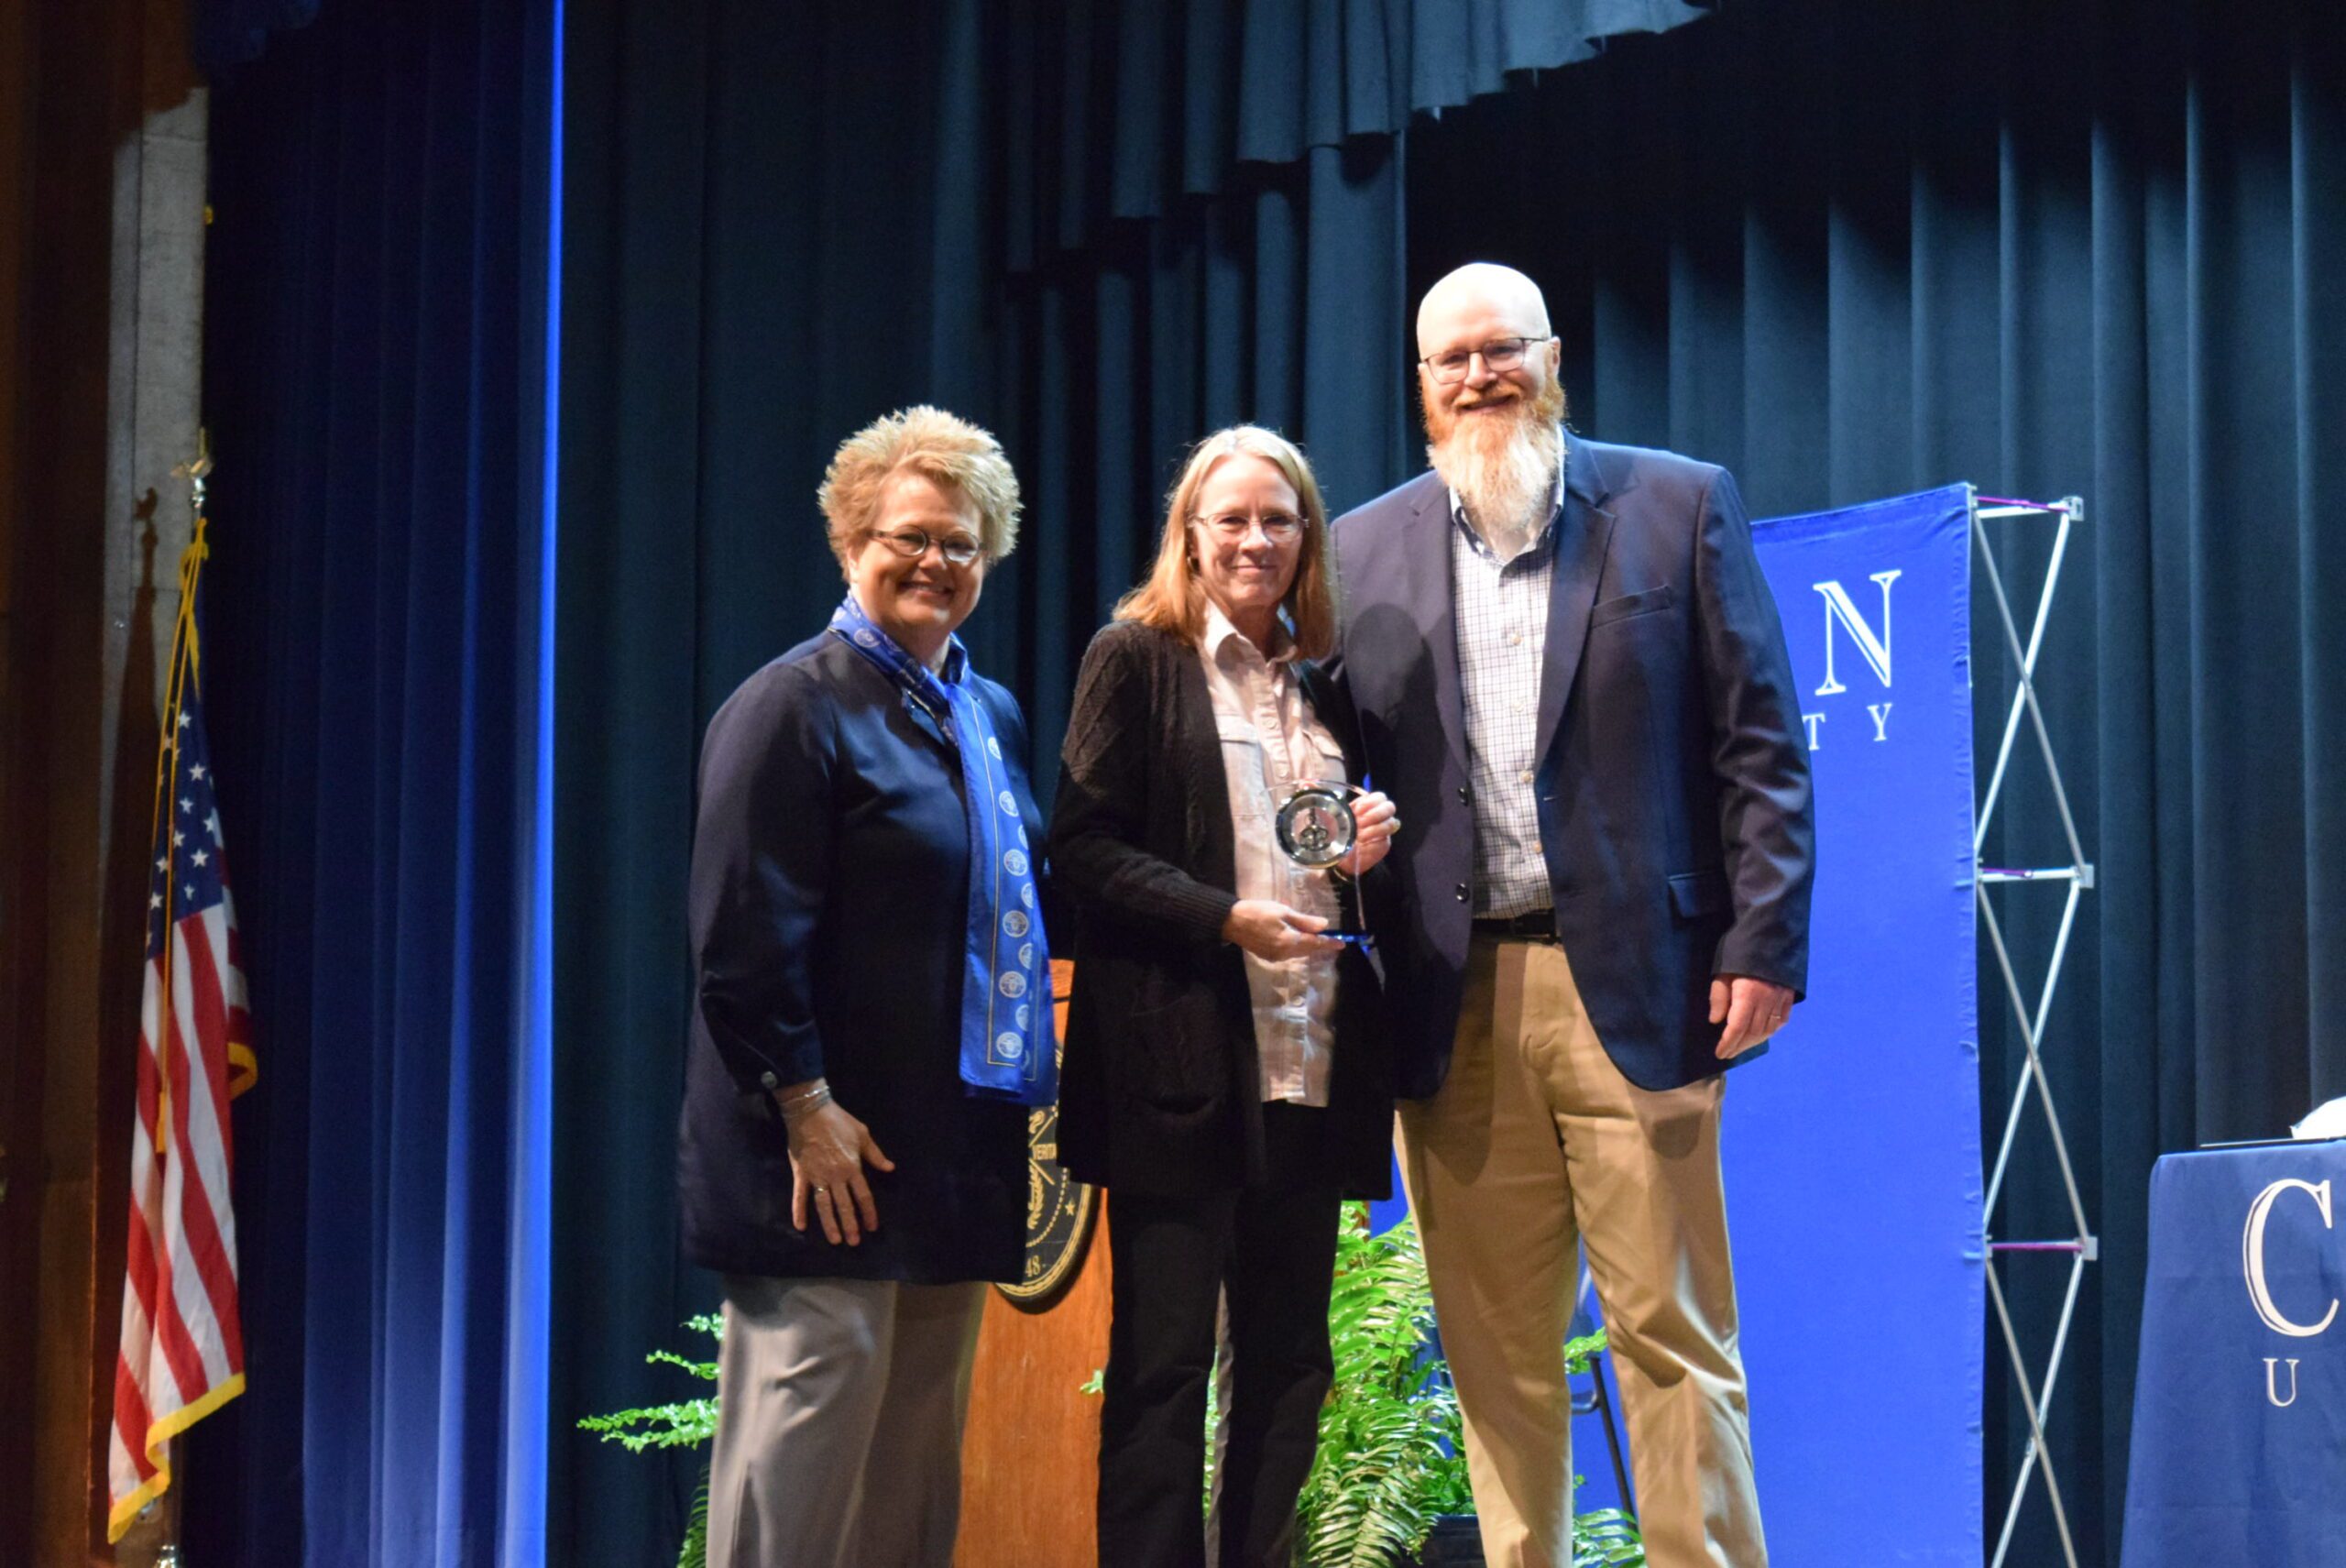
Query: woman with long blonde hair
(1226, 1077)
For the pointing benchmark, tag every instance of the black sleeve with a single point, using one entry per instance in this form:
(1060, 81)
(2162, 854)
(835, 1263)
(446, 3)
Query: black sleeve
(761, 872)
(1098, 823)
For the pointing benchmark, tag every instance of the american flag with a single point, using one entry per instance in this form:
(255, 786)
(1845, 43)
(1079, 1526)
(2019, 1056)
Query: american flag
(183, 1351)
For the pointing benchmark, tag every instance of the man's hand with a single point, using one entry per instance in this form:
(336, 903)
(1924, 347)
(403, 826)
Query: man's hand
(1751, 1009)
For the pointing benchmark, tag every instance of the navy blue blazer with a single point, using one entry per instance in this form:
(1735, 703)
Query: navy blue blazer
(1673, 775)
(829, 904)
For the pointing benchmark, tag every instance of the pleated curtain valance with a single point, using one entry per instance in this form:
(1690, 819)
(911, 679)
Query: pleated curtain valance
(1111, 109)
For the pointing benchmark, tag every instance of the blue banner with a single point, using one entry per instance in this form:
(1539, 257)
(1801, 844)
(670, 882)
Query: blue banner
(2240, 1411)
(1852, 1149)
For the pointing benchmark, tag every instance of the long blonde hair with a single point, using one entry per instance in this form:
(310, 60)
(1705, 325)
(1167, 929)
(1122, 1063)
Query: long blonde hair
(1171, 598)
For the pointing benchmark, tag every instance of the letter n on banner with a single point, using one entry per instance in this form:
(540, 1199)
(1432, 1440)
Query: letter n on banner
(1853, 1146)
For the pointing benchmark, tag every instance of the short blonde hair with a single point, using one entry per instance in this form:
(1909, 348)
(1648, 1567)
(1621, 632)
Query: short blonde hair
(1172, 600)
(945, 449)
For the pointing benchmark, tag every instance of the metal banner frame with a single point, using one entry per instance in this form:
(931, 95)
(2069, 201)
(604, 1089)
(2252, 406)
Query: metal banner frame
(2077, 877)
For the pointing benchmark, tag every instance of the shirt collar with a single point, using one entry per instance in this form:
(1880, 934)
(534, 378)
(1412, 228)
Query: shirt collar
(1555, 506)
(955, 665)
(1219, 634)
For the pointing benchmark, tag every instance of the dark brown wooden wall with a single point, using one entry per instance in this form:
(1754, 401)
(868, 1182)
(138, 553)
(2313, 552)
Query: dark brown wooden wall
(76, 78)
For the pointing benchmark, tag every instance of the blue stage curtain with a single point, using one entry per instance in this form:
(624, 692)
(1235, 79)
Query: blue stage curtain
(1857, 250)
(377, 286)
(1100, 229)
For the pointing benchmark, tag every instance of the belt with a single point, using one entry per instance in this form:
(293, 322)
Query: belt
(1536, 925)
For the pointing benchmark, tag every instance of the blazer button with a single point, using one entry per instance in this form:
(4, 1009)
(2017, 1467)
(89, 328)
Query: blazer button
(1461, 892)
(1463, 797)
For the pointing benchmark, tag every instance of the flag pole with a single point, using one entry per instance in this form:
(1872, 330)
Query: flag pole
(181, 1266)
(167, 751)
(196, 473)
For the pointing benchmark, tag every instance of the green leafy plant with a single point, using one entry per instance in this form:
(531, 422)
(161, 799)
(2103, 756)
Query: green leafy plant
(1607, 1538)
(687, 1424)
(1391, 1459)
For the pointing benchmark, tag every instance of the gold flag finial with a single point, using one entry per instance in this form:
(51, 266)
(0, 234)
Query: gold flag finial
(197, 470)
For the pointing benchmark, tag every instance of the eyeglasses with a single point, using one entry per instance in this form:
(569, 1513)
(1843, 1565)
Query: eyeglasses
(911, 543)
(1279, 527)
(1499, 353)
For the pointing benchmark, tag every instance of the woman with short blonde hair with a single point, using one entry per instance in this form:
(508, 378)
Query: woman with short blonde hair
(872, 1022)
(948, 451)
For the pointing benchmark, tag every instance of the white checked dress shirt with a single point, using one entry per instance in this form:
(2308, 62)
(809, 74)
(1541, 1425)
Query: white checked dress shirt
(1272, 741)
(1502, 635)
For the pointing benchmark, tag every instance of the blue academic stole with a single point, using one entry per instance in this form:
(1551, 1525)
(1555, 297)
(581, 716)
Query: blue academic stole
(1009, 1047)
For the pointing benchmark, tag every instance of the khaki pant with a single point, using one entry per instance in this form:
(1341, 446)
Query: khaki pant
(1536, 1142)
(839, 1436)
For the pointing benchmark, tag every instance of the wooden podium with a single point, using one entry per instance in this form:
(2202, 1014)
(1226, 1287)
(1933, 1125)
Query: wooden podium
(1030, 1455)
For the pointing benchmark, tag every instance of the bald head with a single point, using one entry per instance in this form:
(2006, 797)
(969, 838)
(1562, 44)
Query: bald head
(1480, 311)
(1481, 300)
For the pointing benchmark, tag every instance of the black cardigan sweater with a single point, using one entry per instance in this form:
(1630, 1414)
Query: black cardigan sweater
(1160, 1089)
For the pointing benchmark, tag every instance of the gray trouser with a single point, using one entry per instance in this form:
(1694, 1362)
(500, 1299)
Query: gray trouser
(839, 1433)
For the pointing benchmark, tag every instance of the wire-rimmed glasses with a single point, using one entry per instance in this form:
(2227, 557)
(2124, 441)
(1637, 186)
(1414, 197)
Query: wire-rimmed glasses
(1499, 354)
(911, 543)
(1279, 527)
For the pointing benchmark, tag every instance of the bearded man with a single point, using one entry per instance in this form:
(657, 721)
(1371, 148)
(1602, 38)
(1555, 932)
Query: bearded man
(1573, 682)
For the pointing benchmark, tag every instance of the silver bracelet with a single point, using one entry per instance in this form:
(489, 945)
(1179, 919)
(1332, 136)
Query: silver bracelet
(800, 1106)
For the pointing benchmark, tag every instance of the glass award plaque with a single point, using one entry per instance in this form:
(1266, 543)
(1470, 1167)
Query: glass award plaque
(1316, 830)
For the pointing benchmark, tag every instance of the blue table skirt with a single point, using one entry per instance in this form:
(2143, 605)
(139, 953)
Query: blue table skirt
(2239, 1413)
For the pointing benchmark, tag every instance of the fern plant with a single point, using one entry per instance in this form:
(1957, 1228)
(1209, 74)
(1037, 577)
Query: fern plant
(687, 1424)
(1607, 1538)
(1391, 1458)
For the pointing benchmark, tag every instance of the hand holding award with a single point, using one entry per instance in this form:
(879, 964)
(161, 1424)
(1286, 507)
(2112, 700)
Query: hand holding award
(1337, 829)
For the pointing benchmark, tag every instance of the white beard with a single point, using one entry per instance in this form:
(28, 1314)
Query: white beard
(1507, 487)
